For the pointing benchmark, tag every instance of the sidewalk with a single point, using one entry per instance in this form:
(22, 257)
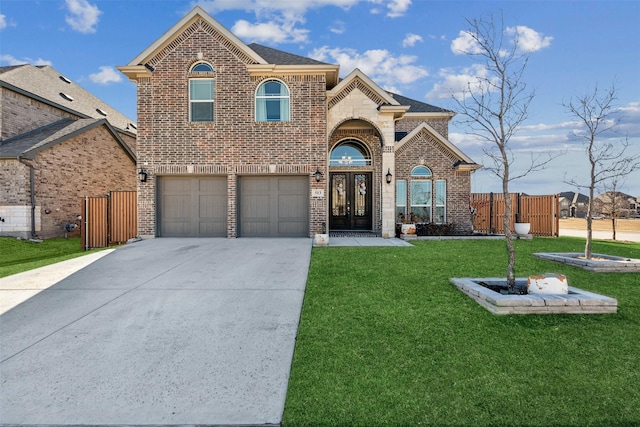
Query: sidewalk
(18, 288)
(602, 235)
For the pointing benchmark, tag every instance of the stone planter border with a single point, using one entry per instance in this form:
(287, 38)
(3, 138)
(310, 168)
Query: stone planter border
(609, 263)
(576, 302)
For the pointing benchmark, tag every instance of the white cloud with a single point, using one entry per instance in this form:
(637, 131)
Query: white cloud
(338, 27)
(272, 32)
(266, 6)
(11, 60)
(379, 64)
(458, 85)
(3, 21)
(410, 40)
(106, 75)
(528, 40)
(465, 44)
(397, 7)
(84, 16)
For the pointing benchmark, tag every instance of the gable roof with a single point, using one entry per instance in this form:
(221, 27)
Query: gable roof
(45, 84)
(358, 75)
(276, 61)
(574, 197)
(463, 162)
(139, 66)
(28, 144)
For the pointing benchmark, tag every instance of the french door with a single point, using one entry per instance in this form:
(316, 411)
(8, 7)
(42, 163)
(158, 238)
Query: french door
(350, 201)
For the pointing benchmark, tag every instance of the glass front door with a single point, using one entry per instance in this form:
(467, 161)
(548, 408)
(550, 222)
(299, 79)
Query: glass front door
(350, 201)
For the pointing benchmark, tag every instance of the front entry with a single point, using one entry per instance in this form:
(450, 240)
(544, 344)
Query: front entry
(350, 201)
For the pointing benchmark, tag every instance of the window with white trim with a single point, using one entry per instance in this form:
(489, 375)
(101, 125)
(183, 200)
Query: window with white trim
(272, 102)
(201, 93)
(401, 200)
(440, 215)
(420, 194)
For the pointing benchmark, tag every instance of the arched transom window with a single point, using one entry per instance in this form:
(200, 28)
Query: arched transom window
(201, 93)
(350, 152)
(272, 102)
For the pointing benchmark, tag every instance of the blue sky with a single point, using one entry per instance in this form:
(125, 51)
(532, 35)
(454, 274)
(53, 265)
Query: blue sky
(406, 46)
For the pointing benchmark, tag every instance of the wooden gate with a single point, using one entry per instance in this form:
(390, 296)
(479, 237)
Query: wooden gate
(109, 220)
(540, 211)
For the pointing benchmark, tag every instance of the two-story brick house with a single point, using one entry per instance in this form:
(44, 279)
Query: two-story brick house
(245, 141)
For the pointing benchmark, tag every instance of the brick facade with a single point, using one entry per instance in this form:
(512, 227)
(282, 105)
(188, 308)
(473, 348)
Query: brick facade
(323, 114)
(425, 150)
(234, 143)
(89, 164)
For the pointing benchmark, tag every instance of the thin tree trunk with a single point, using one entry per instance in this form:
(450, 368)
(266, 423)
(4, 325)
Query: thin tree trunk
(613, 225)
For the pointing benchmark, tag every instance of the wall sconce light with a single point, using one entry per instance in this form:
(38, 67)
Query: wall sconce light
(389, 176)
(142, 175)
(318, 175)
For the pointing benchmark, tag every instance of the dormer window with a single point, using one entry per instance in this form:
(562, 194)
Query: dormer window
(272, 102)
(201, 93)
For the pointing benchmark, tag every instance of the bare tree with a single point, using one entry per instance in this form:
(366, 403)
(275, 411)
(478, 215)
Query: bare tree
(597, 115)
(494, 107)
(612, 203)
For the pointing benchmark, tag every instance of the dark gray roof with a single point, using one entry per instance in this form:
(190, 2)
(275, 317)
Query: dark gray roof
(49, 86)
(417, 106)
(571, 194)
(30, 143)
(279, 57)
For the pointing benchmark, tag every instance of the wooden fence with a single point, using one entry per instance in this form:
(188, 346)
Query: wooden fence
(109, 220)
(540, 211)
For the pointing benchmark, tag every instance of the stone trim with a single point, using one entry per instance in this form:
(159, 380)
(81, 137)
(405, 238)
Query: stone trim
(356, 84)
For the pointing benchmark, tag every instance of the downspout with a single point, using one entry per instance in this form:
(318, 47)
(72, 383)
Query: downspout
(33, 195)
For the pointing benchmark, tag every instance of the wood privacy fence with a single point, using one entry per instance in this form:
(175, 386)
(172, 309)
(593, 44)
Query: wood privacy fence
(540, 211)
(109, 220)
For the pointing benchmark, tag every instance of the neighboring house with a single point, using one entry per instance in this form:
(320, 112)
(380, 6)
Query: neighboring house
(614, 204)
(573, 205)
(58, 144)
(246, 141)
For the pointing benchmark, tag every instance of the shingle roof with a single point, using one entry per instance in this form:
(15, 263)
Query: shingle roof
(417, 106)
(50, 86)
(31, 143)
(279, 57)
(571, 194)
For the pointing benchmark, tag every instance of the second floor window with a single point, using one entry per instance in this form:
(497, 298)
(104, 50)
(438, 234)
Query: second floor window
(272, 102)
(201, 94)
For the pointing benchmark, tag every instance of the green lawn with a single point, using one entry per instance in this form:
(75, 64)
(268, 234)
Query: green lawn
(385, 339)
(22, 255)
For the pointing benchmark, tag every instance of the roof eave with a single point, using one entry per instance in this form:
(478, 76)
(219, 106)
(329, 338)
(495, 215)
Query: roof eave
(434, 114)
(134, 72)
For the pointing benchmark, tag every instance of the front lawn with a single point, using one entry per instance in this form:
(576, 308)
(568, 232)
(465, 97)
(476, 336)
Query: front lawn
(385, 339)
(22, 255)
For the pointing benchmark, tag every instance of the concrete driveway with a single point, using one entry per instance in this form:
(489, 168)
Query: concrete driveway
(161, 332)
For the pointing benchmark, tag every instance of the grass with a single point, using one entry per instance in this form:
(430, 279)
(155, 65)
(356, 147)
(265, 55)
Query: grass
(22, 255)
(385, 339)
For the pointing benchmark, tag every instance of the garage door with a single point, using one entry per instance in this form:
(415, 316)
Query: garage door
(274, 206)
(192, 207)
